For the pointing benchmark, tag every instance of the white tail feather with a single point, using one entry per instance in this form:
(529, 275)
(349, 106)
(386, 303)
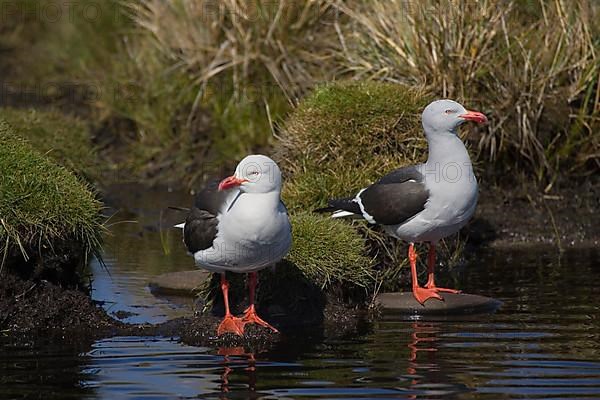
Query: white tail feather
(341, 214)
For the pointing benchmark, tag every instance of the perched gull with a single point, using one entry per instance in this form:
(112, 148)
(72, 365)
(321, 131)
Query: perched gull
(240, 225)
(424, 202)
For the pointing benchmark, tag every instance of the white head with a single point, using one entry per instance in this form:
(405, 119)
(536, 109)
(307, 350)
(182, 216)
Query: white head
(444, 116)
(254, 174)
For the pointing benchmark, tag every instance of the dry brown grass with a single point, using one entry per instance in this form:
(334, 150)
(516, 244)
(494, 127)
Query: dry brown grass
(285, 40)
(533, 66)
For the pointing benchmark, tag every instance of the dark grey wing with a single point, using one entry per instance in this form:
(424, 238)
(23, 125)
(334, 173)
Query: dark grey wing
(401, 175)
(396, 197)
(210, 198)
(201, 225)
(200, 230)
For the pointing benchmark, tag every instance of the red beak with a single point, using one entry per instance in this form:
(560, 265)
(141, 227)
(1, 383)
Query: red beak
(474, 116)
(231, 182)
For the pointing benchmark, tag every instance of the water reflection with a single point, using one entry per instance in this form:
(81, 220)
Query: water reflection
(43, 369)
(229, 363)
(157, 367)
(141, 244)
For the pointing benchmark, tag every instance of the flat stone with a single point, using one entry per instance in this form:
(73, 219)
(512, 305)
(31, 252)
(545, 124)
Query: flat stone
(453, 304)
(184, 283)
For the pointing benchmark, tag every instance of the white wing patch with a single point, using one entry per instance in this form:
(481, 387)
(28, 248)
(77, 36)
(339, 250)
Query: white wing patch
(365, 214)
(341, 214)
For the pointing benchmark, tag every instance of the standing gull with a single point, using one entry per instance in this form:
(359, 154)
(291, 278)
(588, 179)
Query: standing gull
(424, 202)
(240, 225)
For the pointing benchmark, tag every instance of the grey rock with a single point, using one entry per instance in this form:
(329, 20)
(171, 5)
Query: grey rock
(453, 304)
(184, 283)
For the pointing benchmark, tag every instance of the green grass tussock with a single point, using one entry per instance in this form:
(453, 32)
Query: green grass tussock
(345, 135)
(329, 251)
(41, 203)
(64, 139)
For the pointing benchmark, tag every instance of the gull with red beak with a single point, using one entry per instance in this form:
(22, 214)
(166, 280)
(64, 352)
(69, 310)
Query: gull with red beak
(424, 202)
(239, 224)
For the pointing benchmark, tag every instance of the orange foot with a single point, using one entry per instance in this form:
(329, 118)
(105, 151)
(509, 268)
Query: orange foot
(231, 324)
(251, 317)
(422, 294)
(441, 289)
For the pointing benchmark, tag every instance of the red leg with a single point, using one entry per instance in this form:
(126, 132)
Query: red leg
(230, 323)
(250, 315)
(421, 294)
(431, 272)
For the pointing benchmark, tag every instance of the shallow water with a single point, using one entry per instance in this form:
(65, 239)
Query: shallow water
(543, 343)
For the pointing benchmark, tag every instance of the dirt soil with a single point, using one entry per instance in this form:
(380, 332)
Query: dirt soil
(520, 216)
(30, 309)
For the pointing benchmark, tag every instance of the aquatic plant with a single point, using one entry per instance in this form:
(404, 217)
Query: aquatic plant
(317, 251)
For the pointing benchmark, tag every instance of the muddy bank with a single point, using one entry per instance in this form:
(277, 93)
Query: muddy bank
(36, 305)
(520, 215)
(30, 309)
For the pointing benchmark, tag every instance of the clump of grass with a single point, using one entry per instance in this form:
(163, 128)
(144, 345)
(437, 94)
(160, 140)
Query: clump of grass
(243, 40)
(533, 66)
(64, 139)
(41, 204)
(345, 135)
(329, 251)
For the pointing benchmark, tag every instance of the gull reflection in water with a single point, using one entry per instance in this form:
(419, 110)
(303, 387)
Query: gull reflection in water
(227, 353)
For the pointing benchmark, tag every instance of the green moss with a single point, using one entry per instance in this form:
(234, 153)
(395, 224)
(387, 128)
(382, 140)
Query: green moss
(64, 139)
(41, 202)
(329, 251)
(345, 135)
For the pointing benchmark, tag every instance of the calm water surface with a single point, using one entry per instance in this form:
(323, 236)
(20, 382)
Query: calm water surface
(543, 343)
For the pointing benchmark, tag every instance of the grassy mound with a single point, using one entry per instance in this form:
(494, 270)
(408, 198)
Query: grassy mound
(64, 139)
(345, 135)
(42, 206)
(327, 251)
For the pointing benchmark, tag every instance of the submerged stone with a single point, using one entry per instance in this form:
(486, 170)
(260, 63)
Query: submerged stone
(453, 304)
(184, 283)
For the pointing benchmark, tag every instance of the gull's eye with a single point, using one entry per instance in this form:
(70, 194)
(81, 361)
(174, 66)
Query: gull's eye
(254, 173)
(450, 111)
